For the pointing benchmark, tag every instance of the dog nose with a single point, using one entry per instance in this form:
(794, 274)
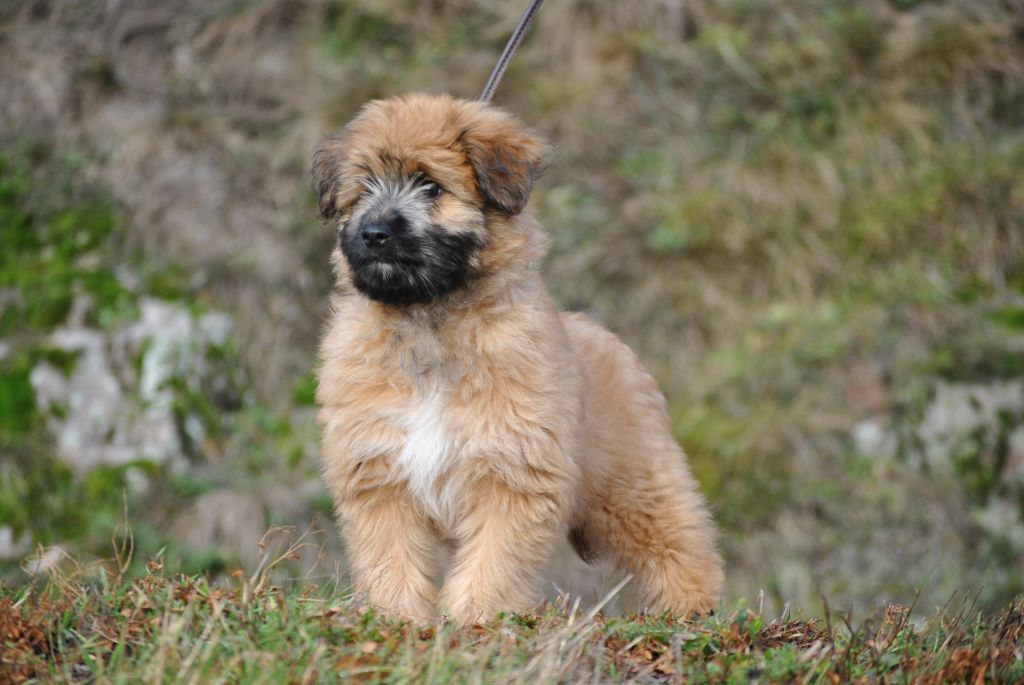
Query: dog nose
(375, 235)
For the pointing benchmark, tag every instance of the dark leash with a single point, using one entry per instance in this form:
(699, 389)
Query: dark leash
(510, 49)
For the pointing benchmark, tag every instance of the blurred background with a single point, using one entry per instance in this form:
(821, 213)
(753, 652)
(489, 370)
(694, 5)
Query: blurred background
(806, 217)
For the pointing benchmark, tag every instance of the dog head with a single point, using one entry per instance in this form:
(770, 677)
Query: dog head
(421, 187)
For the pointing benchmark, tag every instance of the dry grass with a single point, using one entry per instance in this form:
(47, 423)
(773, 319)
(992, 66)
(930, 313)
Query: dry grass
(177, 628)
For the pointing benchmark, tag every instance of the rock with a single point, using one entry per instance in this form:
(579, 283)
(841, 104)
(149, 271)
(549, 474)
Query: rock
(119, 402)
(874, 438)
(230, 522)
(87, 411)
(12, 548)
(45, 561)
(960, 410)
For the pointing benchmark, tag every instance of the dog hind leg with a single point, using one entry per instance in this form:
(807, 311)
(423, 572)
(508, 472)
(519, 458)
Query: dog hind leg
(661, 532)
(640, 504)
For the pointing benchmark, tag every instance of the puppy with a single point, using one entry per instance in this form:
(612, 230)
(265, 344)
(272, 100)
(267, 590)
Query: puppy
(458, 405)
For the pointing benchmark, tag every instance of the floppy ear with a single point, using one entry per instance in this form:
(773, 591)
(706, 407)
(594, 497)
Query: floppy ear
(506, 160)
(327, 166)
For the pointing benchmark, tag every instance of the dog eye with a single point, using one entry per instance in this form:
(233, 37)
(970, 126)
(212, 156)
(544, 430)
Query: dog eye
(431, 189)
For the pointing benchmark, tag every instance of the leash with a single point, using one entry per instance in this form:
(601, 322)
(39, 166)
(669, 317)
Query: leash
(510, 48)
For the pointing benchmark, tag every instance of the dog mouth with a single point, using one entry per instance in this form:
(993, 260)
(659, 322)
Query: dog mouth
(395, 282)
(388, 272)
(404, 274)
(394, 261)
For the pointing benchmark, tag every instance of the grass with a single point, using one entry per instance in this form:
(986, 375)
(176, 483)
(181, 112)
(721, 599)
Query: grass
(169, 627)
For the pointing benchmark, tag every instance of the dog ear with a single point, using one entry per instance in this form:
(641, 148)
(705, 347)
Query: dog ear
(327, 167)
(506, 160)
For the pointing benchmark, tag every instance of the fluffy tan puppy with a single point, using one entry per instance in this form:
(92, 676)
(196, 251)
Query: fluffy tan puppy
(459, 406)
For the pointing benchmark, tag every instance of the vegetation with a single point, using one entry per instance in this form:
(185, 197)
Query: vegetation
(163, 627)
(63, 246)
(52, 235)
(807, 218)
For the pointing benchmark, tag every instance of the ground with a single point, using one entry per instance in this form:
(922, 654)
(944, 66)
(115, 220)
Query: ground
(164, 627)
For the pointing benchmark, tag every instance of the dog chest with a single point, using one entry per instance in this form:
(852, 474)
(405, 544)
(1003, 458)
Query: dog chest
(427, 452)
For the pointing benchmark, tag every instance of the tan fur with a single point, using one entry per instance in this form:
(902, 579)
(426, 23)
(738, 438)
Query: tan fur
(550, 423)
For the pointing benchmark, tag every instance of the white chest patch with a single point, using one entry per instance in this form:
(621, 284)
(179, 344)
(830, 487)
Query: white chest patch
(427, 454)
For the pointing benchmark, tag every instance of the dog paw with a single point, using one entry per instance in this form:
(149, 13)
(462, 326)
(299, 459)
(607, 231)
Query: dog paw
(466, 611)
(414, 609)
(696, 611)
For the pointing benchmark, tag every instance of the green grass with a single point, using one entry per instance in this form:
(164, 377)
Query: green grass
(169, 627)
(56, 239)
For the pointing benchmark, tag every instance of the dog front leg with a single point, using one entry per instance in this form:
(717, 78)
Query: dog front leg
(505, 538)
(391, 552)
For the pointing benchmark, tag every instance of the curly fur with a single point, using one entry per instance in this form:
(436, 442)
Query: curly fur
(478, 414)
